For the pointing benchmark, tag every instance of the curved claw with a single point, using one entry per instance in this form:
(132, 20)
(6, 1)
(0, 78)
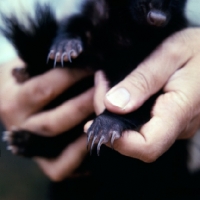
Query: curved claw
(80, 49)
(62, 58)
(91, 148)
(55, 60)
(6, 135)
(69, 55)
(99, 145)
(49, 56)
(114, 137)
(88, 139)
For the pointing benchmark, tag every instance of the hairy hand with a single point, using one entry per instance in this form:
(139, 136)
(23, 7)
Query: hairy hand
(173, 66)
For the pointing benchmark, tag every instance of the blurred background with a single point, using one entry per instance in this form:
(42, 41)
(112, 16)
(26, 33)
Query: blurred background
(20, 178)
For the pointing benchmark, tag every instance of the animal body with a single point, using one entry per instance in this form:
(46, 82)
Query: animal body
(112, 35)
(109, 35)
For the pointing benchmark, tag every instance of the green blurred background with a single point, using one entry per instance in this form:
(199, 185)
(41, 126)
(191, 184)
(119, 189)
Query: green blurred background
(20, 178)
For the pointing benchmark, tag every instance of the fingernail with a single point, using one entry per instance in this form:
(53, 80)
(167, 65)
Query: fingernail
(119, 97)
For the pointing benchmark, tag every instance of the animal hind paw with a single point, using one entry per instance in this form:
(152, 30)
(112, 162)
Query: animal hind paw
(64, 50)
(105, 128)
(17, 141)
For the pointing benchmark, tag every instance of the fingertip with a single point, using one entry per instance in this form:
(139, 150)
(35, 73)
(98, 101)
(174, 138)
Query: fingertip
(87, 126)
(118, 97)
(121, 101)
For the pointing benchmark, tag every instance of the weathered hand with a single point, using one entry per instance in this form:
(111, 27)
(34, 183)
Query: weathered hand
(173, 66)
(21, 105)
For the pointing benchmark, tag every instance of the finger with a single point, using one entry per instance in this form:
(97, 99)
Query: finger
(42, 89)
(186, 83)
(34, 94)
(157, 135)
(191, 129)
(171, 115)
(63, 166)
(87, 126)
(101, 87)
(63, 117)
(8, 91)
(152, 74)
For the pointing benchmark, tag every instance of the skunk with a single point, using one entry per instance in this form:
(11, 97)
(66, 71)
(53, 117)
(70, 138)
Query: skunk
(112, 35)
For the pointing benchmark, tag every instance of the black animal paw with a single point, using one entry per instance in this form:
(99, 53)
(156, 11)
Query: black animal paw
(17, 141)
(105, 128)
(29, 144)
(63, 50)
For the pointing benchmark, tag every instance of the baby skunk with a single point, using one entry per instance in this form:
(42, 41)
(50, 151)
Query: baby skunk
(112, 35)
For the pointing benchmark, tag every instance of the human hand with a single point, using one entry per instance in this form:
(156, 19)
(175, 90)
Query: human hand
(21, 105)
(173, 66)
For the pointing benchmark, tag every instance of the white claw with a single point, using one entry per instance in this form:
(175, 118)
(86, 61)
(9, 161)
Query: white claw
(4, 138)
(69, 55)
(114, 137)
(7, 132)
(80, 49)
(6, 135)
(9, 148)
(62, 58)
(52, 51)
(99, 145)
(55, 59)
(93, 142)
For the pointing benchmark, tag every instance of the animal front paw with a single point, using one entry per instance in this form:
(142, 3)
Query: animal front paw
(17, 141)
(63, 50)
(105, 128)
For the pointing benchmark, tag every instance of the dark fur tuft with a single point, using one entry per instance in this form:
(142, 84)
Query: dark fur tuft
(33, 45)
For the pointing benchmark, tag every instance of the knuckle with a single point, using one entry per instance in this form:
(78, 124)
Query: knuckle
(188, 134)
(184, 108)
(152, 76)
(54, 174)
(46, 125)
(191, 129)
(139, 80)
(173, 51)
(84, 110)
(40, 93)
(44, 92)
(175, 47)
(150, 153)
(48, 128)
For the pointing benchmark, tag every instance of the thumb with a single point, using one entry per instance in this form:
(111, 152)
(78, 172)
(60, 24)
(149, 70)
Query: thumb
(149, 77)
